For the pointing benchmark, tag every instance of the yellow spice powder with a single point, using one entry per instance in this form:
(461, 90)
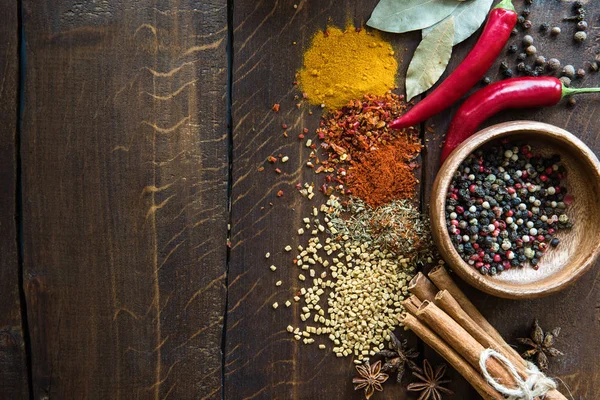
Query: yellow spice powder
(344, 65)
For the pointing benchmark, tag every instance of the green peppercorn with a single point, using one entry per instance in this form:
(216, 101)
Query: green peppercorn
(553, 64)
(527, 40)
(566, 81)
(569, 71)
(580, 36)
(540, 60)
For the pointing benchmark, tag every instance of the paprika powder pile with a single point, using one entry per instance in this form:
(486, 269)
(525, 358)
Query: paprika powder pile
(366, 159)
(386, 174)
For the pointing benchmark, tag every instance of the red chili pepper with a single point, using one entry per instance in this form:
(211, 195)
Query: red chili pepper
(501, 21)
(509, 93)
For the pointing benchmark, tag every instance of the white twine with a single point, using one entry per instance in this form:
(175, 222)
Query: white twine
(536, 385)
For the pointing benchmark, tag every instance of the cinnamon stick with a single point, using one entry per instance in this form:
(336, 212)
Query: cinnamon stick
(448, 303)
(451, 356)
(411, 304)
(439, 275)
(465, 345)
(422, 287)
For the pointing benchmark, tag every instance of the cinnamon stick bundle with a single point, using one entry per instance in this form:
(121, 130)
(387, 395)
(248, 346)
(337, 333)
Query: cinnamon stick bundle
(442, 316)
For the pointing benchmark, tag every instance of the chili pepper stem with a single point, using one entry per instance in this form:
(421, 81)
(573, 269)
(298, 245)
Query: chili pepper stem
(571, 91)
(506, 4)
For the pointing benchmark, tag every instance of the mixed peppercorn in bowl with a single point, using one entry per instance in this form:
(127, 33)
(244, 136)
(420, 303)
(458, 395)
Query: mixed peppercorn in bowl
(513, 209)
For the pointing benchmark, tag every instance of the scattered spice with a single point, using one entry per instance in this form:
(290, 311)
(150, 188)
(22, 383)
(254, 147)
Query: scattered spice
(370, 378)
(276, 107)
(397, 227)
(398, 357)
(504, 206)
(344, 65)
(431, 382)
(541, 345)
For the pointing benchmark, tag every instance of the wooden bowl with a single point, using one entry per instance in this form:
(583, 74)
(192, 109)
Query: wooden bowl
(579, 246)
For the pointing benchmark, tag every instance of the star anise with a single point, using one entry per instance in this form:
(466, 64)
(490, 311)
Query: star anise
(398, 358)
(541, 345)
(370, 378)
(431, 382)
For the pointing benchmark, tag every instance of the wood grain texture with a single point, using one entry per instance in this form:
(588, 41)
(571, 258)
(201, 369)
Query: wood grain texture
(262, 360)
(13, 365)
(576, 308)
(124, 150)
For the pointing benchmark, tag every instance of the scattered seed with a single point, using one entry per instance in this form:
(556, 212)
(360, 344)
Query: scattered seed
(531, 50)
(580, 36)
(284, 159)
(275, 305)
(569, 71)
(273, 268)
(275, 107)
(267, 255)
(553, 64)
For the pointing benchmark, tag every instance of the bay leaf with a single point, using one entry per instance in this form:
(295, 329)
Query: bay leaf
(430, 59)
(399, 16)
(468, 17)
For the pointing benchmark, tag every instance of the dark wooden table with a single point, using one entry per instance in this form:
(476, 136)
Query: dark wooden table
(131, 135)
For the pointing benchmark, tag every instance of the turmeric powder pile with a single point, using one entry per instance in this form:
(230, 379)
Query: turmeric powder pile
(345, 65)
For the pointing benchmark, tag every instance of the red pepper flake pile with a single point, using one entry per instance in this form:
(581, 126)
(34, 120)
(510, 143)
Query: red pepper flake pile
(365, 157)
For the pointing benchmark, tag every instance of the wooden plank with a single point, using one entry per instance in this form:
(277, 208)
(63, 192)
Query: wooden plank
(125, 162)
(262, 360)
(13, 364)
(575, 309)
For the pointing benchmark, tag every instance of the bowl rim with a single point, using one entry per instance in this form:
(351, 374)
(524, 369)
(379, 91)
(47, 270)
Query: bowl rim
(438, 215)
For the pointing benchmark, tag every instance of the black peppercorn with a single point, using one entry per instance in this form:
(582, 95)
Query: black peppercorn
(582, 25)
(520, 19)
(503, 66)
(487, 80)
(513, 49)
(521, 57)
(544, 27)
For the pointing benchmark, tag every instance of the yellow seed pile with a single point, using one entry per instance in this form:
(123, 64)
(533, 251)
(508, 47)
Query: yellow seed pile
(354, 292)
